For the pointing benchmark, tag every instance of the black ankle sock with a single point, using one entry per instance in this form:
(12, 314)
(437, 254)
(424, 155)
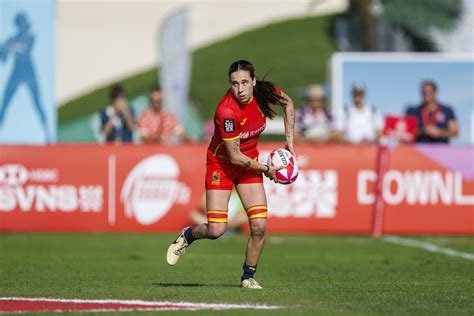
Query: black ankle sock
(248, 271)
(188, 234)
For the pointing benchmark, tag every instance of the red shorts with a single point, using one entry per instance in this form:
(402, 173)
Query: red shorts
(221, 174)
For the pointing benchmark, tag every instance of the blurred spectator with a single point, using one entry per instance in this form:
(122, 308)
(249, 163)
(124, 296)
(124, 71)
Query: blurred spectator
(117, 120)
(313, 120)
(158, 126)
(360, 123)
(208, 130)
(436, 121)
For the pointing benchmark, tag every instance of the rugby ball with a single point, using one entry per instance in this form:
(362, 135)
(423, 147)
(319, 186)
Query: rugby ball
(282, 157)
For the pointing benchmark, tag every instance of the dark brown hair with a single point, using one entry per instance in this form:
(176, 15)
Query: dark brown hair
(116, 92)
(264, 91)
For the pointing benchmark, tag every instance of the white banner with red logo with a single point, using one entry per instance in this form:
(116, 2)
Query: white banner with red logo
(99, 188)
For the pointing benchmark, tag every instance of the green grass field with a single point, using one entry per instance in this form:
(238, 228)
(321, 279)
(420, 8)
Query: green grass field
(306, 275)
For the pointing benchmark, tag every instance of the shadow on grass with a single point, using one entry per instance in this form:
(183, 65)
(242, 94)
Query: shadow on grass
(192, 285)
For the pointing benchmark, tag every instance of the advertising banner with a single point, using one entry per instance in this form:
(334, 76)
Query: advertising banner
(98, 188)
(429, 189)
(132, 188)
(27, 104)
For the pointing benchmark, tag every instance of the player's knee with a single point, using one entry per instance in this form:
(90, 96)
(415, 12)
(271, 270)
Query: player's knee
(216, 232)
(258, 228)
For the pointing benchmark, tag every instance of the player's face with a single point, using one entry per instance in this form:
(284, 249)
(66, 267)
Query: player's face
(241, 85)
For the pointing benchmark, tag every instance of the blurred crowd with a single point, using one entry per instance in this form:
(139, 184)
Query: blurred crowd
(359, 122)
(362, 123)
(154, 125)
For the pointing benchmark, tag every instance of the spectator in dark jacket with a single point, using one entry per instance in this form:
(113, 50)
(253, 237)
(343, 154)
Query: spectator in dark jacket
(117, 120)
(436, 121)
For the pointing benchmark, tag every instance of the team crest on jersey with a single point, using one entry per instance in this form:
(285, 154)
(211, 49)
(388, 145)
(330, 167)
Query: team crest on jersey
(229, 125)
(216, 178)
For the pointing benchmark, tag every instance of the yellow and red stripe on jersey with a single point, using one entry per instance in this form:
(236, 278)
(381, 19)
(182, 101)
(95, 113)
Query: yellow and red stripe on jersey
(214, 216)
(257, 211)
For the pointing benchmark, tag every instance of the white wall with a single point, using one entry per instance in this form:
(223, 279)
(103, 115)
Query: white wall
(103, 40)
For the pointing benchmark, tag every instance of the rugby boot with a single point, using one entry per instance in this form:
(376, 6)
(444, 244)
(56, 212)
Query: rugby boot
(250, 284)
(177, 248)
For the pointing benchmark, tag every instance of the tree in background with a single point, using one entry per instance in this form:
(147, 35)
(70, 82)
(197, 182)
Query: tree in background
(398, 25)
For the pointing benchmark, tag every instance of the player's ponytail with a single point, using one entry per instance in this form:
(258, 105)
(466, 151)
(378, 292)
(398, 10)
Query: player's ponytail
(265, 92)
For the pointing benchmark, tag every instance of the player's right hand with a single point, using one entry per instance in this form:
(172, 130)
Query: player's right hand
(271, 173)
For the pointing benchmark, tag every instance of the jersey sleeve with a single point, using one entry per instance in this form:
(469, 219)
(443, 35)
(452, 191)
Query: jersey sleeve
(227, 123)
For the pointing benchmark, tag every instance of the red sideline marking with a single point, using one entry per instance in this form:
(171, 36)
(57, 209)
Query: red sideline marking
(25, 305)
(383, 157)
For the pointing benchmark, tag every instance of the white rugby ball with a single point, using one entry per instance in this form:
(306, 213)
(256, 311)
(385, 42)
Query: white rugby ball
(282, 157)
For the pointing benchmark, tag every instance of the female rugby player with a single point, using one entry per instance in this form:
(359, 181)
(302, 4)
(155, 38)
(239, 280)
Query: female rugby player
(232, 160)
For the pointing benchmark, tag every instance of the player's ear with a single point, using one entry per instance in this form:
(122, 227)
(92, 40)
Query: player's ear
(254, 81)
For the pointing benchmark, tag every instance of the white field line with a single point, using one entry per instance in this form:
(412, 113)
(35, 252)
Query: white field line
(428, 247)
(144, 303)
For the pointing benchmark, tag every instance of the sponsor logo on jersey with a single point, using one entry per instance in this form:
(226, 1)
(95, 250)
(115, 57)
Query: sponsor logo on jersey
(247, 134)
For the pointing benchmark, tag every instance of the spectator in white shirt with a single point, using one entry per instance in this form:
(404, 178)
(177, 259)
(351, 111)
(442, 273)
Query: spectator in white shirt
(360, 123)
(313, 120)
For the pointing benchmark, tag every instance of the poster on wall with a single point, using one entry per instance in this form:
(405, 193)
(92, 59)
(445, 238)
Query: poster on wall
(27, 105)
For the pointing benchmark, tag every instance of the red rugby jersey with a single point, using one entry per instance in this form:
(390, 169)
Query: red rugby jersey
(233, 120)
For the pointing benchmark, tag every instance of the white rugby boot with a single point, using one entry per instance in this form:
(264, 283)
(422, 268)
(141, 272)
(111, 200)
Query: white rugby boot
(250, 284)
(177, 248)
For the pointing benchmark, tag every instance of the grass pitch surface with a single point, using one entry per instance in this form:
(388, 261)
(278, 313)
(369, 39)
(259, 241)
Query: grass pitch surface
(306, 275)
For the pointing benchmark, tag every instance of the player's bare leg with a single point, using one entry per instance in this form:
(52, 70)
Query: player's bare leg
(256, 240)
(217, 202)
(254, 200)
